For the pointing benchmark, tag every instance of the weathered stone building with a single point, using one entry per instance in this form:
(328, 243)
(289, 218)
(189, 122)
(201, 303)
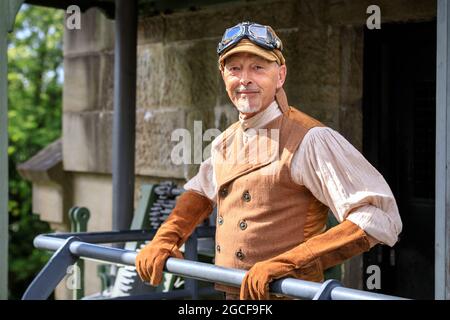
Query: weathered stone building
(178, 83)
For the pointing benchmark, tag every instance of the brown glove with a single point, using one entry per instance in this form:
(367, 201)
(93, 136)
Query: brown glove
(191, 209)
(325, 250)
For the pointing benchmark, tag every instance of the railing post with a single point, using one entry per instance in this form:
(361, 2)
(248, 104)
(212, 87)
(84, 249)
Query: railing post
(79, 218)
(190, 253)
(324, 292)
(52, 273)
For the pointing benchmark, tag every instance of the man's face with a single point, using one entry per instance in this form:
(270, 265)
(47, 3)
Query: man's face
(251, 82)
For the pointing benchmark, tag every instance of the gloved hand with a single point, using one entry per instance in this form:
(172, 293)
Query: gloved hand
(151, 260)
(320, 252)
(255, 285)
(191, 209)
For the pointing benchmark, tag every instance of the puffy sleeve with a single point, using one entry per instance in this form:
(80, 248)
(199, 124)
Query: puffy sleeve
(204, 181)
(339, 176)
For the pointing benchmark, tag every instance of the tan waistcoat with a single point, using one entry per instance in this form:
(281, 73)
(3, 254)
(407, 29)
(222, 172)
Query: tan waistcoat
(261, 211)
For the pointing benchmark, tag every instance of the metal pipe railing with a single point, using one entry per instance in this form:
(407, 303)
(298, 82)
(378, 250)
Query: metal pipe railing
(198, 270)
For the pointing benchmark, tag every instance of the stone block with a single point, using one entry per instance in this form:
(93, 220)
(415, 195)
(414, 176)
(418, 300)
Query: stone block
(94, 191)
(88, 82)
(150, 75)
(48, 202)
(151, 29)
(153, 142)
(105, 92)
(182, 75)
(96, 34)
(201, 58)
(87, 141)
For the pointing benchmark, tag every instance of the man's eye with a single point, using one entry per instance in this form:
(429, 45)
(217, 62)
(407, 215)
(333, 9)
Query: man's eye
(259, 67)
(234, 68)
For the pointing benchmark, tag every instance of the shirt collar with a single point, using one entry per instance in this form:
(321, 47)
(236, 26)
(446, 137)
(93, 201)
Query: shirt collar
(261, 118)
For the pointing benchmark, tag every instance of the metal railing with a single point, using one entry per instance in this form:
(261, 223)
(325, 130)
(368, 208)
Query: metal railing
(70, 247)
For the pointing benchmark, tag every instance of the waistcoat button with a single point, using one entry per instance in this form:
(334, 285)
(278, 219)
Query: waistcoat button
(240, 255)
(243, 224)
(246, 196)
(218, 248)
(220, 220)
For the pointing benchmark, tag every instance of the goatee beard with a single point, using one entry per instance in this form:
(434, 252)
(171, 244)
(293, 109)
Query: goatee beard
(243, 106)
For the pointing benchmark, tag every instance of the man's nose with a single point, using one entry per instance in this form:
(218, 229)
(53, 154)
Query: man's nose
(245, 79)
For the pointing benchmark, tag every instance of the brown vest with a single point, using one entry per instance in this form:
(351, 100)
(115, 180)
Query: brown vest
(261, 211)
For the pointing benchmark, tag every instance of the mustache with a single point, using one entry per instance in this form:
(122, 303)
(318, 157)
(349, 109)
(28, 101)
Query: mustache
(243, 88)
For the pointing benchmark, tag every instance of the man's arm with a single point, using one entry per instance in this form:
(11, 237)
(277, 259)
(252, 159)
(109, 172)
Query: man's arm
(317, 253)
(339, 176)
(192, 207)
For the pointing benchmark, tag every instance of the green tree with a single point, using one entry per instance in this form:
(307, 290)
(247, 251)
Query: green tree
(34, 98)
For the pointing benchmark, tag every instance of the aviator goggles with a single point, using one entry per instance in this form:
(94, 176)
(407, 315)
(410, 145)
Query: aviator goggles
(260, 35)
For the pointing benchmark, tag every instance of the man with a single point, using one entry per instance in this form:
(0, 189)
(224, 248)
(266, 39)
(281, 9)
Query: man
(273, 205)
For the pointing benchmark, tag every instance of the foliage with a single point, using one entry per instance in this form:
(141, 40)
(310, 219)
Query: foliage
(34, 99)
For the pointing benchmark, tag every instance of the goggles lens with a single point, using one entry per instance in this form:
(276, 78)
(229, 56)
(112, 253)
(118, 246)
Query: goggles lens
(259, 32)
(231, 33)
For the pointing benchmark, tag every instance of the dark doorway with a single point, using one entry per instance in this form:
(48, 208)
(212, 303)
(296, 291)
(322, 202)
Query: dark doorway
(399, 140)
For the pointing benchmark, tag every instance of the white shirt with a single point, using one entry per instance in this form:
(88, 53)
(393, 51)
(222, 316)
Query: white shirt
(335, 172)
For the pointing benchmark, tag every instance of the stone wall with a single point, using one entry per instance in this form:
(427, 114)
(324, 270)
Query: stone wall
(178, 83)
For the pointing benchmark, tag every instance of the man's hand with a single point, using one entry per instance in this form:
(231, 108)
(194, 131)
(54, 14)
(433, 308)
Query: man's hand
(151, 260)
(255, 285)
(191, 209)
(308, 260)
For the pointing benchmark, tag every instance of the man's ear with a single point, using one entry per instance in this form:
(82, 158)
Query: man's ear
(282, 71)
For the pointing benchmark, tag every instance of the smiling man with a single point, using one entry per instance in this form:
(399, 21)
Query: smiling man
(251, 81)
(273, 222)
